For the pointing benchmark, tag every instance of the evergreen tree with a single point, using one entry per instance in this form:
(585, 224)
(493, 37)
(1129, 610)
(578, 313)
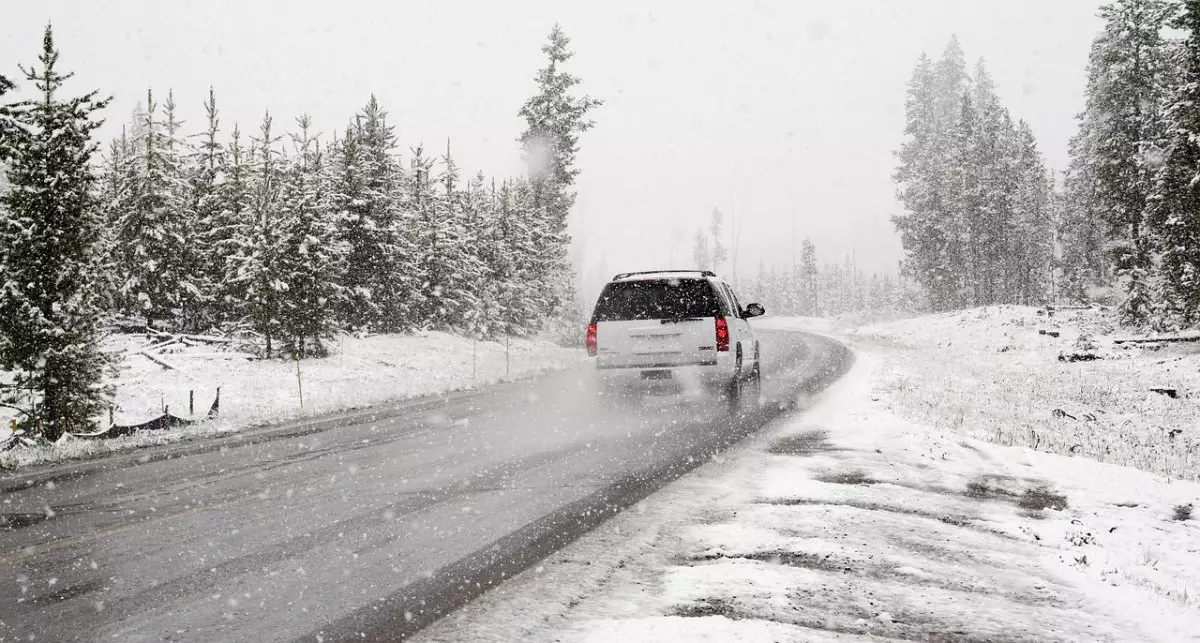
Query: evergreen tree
(525, 291)
(478, 280)
(965, 200)
(554, 119)
(1031, 252)
(701, 253)
(492, 252)
(950, 80)
(992, 229)
(927, 228)
(375, 224)
(356, 228)
(719, 253)
(232, 224)
(49, 235)
(432, 240)
(309, 257)
(758, 286)
(155, 226)
(452, 268)
(259, 275)
(113, 194)
(1177, 210)
(8, 128)
(1082, 232)
(183, 206)
(810, 304)
(214, 231)
(1126, 85)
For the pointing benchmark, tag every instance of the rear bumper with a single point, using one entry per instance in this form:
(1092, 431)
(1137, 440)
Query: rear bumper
(696, 375)
(710, 360)
(601, 366)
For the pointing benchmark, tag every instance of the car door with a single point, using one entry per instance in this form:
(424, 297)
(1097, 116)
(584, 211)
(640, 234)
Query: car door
(741, 327)
(744, 327)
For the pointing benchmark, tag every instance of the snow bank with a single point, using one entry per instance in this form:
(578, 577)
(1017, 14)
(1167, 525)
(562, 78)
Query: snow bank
(361, 372)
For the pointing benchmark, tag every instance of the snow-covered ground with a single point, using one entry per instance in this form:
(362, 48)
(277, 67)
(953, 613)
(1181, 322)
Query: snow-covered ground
(875, 515)
(361, 372)
(992, 374)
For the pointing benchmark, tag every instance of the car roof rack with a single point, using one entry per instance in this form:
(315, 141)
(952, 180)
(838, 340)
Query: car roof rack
(623, 275)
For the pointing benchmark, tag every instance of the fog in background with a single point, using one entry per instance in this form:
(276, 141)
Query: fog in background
(761, 109)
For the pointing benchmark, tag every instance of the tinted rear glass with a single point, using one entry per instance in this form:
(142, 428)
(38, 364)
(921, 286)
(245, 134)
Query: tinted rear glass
(656, 299)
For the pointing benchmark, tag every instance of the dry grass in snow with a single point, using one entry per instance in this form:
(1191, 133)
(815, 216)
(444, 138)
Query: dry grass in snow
(990, 373)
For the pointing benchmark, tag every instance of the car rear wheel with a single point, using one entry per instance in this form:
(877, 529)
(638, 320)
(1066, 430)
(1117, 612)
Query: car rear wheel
(744, 393)
(753, 389)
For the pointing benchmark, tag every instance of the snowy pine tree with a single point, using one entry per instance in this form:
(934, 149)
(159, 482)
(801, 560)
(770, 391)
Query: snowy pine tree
(374, 223)
(1031, 251)
(8, 128)
(230, 226)
(928, 229)
(49, 236)
(523, 299)
(554, 119)
(258, 273)
(965, 200)
(1177, 208)
(1082, 232)
(451, 268)
(701, 253)
(113, 194)
(479, 277)
(718, 252)
(809, 274)
(309, 256)
(993, 248)
(155, 226)
(431, 240)
(215, 223)
(1123, 126)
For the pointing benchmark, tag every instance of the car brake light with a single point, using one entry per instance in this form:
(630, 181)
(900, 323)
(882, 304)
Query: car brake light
(722, 335)
(591, 339)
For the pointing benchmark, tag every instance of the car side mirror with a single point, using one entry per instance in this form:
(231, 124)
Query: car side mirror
(754, 310)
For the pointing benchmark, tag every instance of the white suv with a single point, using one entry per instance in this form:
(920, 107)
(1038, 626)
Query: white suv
(680, 325)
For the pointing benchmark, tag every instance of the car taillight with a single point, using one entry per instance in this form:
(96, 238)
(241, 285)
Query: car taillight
(722, 335)
(591, 339)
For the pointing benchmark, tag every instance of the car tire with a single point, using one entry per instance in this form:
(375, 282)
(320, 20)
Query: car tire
(744, 394)
(734, 391)
(753, 390)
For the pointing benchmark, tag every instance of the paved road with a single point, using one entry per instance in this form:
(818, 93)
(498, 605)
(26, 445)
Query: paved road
(358, 526)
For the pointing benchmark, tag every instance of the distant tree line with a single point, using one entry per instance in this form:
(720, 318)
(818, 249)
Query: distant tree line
(283, 234)
(805, 288)
(810, 289)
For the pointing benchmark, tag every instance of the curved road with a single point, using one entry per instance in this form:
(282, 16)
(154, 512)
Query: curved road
(366, 525)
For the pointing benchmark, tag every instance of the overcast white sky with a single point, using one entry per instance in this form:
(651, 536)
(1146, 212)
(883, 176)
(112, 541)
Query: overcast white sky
(746, 106)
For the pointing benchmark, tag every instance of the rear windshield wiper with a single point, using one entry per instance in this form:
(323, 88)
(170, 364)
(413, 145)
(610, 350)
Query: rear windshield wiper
(682, 319)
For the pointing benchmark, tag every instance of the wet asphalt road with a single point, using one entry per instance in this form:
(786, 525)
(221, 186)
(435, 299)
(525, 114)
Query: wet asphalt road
(364, 526)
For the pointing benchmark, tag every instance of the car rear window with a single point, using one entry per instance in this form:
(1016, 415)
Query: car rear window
(656, 299)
